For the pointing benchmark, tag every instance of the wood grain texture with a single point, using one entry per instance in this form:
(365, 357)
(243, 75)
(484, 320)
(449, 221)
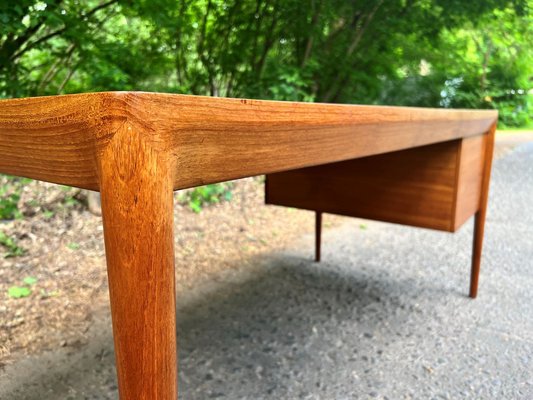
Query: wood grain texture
(137, 208)
(411, 187)
(59, 139)
(435, 186)
(479, 222)
(51, 139)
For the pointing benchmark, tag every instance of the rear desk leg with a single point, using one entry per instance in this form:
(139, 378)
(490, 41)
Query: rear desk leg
(137, 206)
(318, 234)
(479, 222)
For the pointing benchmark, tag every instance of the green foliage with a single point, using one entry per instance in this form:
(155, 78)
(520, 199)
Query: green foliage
(9, 197)
(10, 194)
(10, 245)
(73, 246)
(30, 280)
(9, 206)
(48, 214)
(491, 63)
(18, 292)
(198, 197)
(434, 53)
(71, 201)
(442, 53)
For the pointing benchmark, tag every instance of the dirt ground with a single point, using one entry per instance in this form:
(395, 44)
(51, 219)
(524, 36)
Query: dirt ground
(65, 256)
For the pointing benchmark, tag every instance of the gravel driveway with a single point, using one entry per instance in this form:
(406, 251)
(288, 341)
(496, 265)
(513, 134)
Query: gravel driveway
(384, 316)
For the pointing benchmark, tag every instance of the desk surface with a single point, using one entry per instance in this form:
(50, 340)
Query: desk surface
(60, 138)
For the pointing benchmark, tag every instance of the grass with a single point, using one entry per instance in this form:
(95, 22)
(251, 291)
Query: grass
(10, 244)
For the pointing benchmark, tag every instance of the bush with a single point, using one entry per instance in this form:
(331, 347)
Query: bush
(209, 194)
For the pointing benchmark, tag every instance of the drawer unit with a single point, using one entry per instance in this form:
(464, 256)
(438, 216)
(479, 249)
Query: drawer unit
(436, 186)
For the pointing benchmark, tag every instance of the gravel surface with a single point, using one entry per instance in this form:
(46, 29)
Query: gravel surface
(384, 316)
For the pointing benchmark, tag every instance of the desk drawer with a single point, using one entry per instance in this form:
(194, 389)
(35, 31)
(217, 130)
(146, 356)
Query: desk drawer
(436, 186)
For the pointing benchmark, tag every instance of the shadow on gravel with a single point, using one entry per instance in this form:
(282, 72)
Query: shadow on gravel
(260, 336)
(255, 337)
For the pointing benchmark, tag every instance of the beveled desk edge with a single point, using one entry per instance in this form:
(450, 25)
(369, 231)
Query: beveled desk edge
(59, 138)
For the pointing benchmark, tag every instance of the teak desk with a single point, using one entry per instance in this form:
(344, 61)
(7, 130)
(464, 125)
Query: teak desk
(422, 167)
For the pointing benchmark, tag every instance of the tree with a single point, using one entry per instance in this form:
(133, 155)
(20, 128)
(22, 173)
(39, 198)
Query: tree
(414, 52)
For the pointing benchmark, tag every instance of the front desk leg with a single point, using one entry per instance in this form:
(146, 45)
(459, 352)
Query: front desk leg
(479, 222)
(137, 208)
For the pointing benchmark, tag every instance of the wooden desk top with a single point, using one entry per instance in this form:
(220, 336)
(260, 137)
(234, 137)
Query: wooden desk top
(205, 139)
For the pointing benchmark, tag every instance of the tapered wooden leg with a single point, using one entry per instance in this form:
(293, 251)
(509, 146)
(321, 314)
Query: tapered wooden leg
(318, 234)
(137, 208)
(476, 254)
(479, 222)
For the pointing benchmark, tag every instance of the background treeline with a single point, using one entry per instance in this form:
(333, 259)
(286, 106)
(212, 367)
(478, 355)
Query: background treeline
(441, 53)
